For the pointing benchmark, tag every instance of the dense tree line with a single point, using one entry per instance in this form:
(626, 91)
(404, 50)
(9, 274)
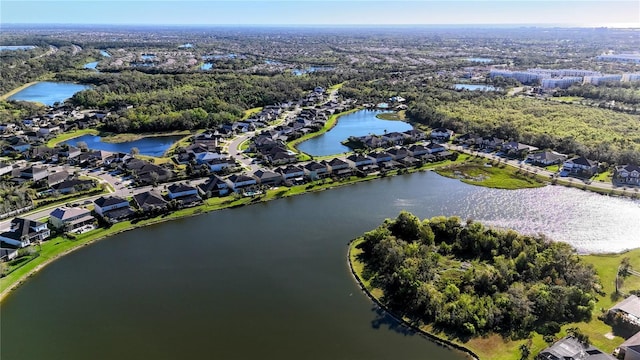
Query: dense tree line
(469, 280)
(598, 134)
(624, 92)
(186, 101)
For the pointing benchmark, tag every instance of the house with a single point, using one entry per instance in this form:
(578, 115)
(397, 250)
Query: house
(356, 160)
(569, 348)
(49, 129)
(490, 143)
(20, 146)
(380, 157)
(71, 185)
(150, 201)
(398, 153)
(630, 349)
(267, 178)
(23, 232)
(336, 164)
(580, 166)
(8, 254)
(514, 148)
(627, 174)
(433, 148)
(628, 308)
(441, 134)
(290, 172)
(35, 173)
(394, 138)
(70, 218)
(315, 170)
(112, 208)
(181, 190)
(215, 186)
(546, 158)
(468, 139)
(5, 168)
(415, 134)
(417, 150)
(216, 165)
(57, 177)
(69, 152)
(238, 181)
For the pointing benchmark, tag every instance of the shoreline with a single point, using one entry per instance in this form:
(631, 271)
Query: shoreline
(425, 334)
(7, 95)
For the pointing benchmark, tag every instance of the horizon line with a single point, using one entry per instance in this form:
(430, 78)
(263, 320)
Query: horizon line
(545, 25)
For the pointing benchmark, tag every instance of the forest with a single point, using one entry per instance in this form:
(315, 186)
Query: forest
(468, 280)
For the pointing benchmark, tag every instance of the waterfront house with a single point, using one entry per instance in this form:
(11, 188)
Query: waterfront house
(394, 138)
(8, 254)
(267, 178)
(580, 166)
(415, 134)
(23, 232)
(70, 218)
(336, 164)
(291, 172)
(398, 153)
(380, 157)
(112, 208)
(315, 170)
(569, 348)
(237, 181)
(627, 174)
(546, 158)
(150, 201)
(629, 309)
(441, 134)
(356, 160)
(215, 186)
(186, 195)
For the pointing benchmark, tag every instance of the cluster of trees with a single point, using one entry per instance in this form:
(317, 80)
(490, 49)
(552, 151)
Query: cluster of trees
(598, 134)
(623, 92)
(186, 101)
(14, 197)
(469, 280)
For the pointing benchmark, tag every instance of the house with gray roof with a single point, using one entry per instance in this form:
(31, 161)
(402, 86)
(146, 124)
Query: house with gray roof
(23, 232)
(70, 218)
(546, 158)
(150, 200)
(630, 349)
(569, 348)
(112, 208)
(629, 308)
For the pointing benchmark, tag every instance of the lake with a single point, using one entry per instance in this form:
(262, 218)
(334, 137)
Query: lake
(270, 281)
(48, 92)
(16, 47)
(206, 66)
(360, 123)
(104, 53)
(150, 145)
(474, 87)
(479, 60)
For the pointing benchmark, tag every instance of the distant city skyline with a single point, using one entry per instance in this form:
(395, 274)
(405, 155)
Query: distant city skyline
(328, 12)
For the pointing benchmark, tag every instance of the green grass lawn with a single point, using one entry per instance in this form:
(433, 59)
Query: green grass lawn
(249, 112)
(497, 176)
(393, 116)
(606, 176)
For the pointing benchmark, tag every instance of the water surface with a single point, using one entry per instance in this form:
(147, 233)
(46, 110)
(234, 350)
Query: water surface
(92, 65)
(16, 47)
(206, 66)
(270, 281)
(48, 92)
(474, 87)
(359, 123)
(150, 145)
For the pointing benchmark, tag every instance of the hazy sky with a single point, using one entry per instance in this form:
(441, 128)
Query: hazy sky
(611, 13)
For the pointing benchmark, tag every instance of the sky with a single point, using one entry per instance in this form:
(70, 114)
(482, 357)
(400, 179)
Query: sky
(611, 13)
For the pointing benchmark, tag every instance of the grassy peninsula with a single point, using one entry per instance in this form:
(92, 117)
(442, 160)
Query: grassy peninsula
(490, 291)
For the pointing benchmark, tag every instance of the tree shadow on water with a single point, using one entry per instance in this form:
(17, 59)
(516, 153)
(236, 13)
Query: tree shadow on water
(384, 319)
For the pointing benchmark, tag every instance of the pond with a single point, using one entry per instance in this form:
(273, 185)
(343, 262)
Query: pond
(360, 123)
(149, 145)
(310, 69)
(104, 53)
(92, 65)
(271, 281)
(206, 66)
(474, 87)
(48, 92)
